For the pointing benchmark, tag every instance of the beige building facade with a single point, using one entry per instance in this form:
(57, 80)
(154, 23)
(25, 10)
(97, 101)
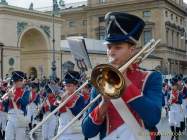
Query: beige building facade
(27, 34)
(165, 19)
(27, 39)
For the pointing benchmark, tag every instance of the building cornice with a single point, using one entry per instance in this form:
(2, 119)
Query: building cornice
(127, 4)
(182, 9)
(176, 50)
(26, 13)
(12, 48)
(89, 51)
(152, 56)
(38, 51)
(73, 10)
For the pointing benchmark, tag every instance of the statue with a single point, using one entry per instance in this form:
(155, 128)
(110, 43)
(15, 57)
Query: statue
(31, 6)
(55, 6)
(4, 2)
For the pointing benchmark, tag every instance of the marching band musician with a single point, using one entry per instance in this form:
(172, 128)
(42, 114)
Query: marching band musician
(34, 100)
(3, 120)
(175, 102)
(164, 104)
(86, 93)
(180, 82)
(3, 110)
(184, 92)
(16, 102)
(48, 128)
(166, 91)
(72, 108)
(143, 92)
(42, 97)
(4, 86)
(180, 86)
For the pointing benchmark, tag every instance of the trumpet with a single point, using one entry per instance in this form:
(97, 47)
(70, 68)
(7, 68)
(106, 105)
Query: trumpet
(107, 80)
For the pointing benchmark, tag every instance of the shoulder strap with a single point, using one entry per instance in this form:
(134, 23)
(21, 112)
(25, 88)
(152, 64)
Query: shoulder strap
(126, 115)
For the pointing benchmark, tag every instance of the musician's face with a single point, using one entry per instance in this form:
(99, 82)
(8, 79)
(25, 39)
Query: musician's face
(179, 82)
(34, 89)
(119, 53)
(175, 87)
(70, 88)
(19, 84)
(85, 90)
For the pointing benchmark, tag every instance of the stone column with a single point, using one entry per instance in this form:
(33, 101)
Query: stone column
(165, 66)
(178, 66)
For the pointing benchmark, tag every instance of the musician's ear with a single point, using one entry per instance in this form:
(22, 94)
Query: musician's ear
(132, 50)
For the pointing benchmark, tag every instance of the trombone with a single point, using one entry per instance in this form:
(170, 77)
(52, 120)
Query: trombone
(108, 80)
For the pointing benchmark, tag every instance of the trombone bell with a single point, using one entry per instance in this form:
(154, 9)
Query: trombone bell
(108, 80)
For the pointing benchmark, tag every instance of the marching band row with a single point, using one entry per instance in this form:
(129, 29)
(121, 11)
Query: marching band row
(33, 101)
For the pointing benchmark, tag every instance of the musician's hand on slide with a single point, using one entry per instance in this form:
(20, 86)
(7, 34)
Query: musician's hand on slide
(13, 93)
(64, 97)
(103, 107)
(105, 99)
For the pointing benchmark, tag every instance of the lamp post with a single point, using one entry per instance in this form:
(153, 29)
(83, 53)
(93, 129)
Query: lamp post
(53, 67)
(2, 49)
(61, 72)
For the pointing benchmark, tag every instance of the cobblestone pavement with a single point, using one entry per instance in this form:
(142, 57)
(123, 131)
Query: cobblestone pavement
(164, 129)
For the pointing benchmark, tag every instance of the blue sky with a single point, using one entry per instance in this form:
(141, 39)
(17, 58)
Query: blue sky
(39, 3)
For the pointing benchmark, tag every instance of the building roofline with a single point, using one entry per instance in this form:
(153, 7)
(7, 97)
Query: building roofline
(154, 57)
(101, 6)
(177, 6)
(12, 10)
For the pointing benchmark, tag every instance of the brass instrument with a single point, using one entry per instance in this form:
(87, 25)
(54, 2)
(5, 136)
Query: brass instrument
(61, 97)
(107, 80)
(7, 94)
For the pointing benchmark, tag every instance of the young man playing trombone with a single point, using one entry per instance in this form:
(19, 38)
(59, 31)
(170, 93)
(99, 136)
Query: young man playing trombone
(16, 101)
(34, 100)
(175, 112)
(72, 107)
(142, 93)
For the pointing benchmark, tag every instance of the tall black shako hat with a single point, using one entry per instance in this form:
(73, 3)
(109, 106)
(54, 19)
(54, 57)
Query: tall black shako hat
(165, 80)
(72, 77)
(185, 80)
(34, 85)
(18, 76)
(48, 89)
(123, 27)
(179, 77)
(174, 81)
